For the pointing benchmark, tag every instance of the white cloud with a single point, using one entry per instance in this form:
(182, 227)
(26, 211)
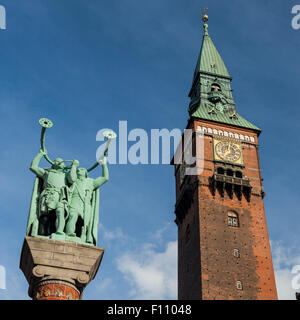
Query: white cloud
(284, 260)
(109, 235)
(151, 275)
(283, 282)
(16, 288)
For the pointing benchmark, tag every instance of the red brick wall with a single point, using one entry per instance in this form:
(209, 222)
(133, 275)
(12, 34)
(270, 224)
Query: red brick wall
(207, 268)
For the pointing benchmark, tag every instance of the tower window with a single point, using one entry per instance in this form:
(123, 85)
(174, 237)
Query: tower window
(215, 87)
(239, 174)
(220, 171)
(229, 173)
(236, 253)
(239, 285)
(233, 220)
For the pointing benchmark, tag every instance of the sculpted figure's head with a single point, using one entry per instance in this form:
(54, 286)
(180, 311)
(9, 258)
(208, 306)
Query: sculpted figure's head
(58, 164)
(82, 173)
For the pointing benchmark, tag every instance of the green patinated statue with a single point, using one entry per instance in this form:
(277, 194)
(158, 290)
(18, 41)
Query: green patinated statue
(65, 201)
(50, 194)
(84, 203)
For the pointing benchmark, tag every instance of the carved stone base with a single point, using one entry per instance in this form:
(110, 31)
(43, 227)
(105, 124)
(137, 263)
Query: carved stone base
(58, 270)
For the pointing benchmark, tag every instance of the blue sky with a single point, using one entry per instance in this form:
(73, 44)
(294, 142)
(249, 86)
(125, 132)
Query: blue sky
(89, 64)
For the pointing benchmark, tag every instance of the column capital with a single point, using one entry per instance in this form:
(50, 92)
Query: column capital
(58, 269)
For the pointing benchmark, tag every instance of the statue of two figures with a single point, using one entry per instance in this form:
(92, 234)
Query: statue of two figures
(65, 201)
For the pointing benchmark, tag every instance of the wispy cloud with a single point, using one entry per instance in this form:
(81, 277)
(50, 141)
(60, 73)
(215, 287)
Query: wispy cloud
(151, 274)
(160, 234)
(15, 287)
(109, 235)
(284, 259)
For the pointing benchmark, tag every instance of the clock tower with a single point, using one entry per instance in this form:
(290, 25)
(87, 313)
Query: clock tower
(223, 243)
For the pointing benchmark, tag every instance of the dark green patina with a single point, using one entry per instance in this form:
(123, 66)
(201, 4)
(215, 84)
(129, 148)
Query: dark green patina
(211, 93)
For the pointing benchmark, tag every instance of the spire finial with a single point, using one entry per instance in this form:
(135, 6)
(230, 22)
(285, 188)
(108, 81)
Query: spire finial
(205, 19)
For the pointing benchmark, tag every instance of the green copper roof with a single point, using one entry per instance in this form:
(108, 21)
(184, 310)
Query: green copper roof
(211, 93)
(230, 117)
(209, 59)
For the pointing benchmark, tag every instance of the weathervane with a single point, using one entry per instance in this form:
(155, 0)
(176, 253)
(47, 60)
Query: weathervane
(204, 16)
(205, 19)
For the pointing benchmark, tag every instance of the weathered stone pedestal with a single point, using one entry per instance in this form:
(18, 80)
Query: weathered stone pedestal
(58, 270)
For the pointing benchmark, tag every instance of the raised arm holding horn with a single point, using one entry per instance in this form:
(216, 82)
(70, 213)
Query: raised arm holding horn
(65, 201)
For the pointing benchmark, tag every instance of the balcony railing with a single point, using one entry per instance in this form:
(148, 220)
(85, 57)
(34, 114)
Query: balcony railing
(232, 180)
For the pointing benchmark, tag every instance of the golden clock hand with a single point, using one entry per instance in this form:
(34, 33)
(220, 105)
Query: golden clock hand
(228, 149)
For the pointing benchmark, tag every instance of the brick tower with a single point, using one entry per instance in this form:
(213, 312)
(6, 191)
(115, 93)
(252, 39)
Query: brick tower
(223, 243)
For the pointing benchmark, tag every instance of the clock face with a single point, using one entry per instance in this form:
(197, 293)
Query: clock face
(228, 151)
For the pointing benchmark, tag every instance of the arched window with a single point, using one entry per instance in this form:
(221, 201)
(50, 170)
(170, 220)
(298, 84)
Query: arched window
(229, 173)
(239, 285)
(232, 219)
(236, 253)
(239, 174)
(215, 87)
(220, 170)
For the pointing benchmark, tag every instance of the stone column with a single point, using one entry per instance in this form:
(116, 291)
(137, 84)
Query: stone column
(58, 270)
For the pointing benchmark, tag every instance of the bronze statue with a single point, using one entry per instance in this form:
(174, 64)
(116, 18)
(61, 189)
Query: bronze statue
(65, 201)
